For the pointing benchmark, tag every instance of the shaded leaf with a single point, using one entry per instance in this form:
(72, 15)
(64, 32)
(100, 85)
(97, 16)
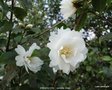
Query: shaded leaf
(2, 42)
(106, 37)
(20, 13)
(109, 2)
(26, 4)
(107, 71)
(81, 21)
(7, 57)
(5, 26)
(99, 5)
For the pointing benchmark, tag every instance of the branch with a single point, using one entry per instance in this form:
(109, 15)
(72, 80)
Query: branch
(11, 17)
(47, 30)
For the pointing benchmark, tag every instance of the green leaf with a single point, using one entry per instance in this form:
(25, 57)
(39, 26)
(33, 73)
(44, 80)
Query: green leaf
(106, 37)
(109, 2)
(7, 58)
(4, 7)
(26, 4)
(81, 21)
(99, 5)
(2, 42)
(88, 68)
(20, 13)
(107, 58)
(107, 71)
(5, 26)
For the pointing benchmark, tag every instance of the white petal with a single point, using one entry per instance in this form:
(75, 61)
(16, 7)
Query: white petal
(55, 69)
(26, 66)
(77, 59)
(73, 68)
(53, 57)
(19, 60)
(35, 64)
(67, 8)
(65, 67)
(20, 50)
(32, 48)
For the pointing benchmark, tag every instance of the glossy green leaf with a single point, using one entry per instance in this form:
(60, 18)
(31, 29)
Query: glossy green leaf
(7, 58)
(20, 13)
(81, 21)
(107, 58)
(5, 26)
(99, 5)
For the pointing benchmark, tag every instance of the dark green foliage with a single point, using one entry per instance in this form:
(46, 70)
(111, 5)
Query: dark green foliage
(20, 13)
(99, 5)
(92, 15)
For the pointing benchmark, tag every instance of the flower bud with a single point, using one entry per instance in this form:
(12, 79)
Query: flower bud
(29, 26)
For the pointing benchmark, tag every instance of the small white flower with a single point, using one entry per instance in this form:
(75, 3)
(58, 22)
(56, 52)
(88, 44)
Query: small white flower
(67, 8)
(67, 50)
(25, 58)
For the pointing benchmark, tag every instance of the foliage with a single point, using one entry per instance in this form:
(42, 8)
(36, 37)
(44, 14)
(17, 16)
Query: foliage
(44, 15)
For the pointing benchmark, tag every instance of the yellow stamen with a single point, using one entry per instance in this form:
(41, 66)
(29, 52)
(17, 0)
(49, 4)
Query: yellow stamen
(66, 51)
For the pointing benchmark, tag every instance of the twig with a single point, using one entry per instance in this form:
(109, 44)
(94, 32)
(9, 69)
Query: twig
(55, 80)
(47, 30)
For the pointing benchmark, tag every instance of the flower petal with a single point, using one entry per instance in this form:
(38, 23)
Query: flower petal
(67, 8)
(19, 60)
(65, 67)
(32, 48)
(77, 59)
(20, 50)
(35, 64)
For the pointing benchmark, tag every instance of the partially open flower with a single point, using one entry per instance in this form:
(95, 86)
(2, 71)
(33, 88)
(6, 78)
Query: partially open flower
(67, 8)
(25, 58)
(67, 50)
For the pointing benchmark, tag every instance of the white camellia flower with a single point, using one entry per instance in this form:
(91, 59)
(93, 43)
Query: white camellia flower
(67, 8)
(67, 50)
(25, 58)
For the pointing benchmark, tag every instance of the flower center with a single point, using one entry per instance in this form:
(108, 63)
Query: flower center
(66, 51)
(27, 59)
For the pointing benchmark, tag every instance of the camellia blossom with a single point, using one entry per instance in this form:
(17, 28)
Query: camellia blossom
(26, 59)
(67, 50)
(67, 8)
